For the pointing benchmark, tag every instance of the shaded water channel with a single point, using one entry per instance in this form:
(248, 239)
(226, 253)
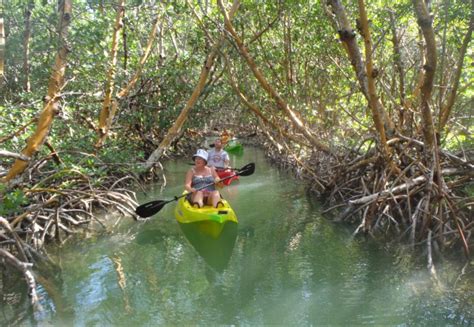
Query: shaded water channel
(283, 264)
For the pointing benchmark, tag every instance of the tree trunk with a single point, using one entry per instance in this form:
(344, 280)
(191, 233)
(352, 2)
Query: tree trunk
(124, 45)
(371, 74)
(349, 42)
(398, 65)
(274, 126)
(412, 101)
(161, 39)
(445, 111)
(172, 32)
(105, 117)
(26, 47)
(442, 75)
(2, 44)
(175, 130)
(124, 91)
(288, 64)
(55, 84)
(299, 125)
(425, 22)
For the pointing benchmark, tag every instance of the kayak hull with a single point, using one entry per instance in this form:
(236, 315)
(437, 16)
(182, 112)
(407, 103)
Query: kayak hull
(208, 220)
(234, 147)
(226, 173)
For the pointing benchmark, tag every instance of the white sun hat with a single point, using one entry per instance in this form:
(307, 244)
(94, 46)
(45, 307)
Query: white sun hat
(201, 154)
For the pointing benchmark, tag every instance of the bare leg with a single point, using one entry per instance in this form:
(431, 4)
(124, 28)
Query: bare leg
(215, 198)
(197, 198)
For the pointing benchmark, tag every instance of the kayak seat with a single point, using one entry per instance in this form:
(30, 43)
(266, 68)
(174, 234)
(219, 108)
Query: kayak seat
(193, 204)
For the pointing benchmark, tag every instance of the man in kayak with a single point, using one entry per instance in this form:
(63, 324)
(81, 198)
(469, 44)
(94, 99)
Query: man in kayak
(199, 176)
(218, 157)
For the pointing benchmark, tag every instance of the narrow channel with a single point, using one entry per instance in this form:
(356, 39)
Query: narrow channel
(284, 264)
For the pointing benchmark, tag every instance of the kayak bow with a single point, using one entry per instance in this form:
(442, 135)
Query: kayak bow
(234, 147)
(207, 219)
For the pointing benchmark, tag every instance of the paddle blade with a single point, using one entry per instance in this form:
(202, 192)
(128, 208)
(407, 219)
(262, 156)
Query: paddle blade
(246, 170)
(150, 208)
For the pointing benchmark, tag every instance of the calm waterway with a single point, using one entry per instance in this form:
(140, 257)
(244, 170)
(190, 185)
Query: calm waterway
(284, 264)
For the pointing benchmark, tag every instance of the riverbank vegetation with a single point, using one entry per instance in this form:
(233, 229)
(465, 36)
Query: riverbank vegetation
(370, 104)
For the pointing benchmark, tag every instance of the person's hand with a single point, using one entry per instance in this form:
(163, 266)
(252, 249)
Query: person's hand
(219, 183)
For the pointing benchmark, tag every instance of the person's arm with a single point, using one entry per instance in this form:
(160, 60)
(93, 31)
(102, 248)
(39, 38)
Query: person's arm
(188, 181)
(214, 174)
(217, 179)
(226, 159)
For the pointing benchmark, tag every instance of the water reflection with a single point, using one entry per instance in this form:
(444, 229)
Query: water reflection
(283, 264)
(216, 252)
(150, 236)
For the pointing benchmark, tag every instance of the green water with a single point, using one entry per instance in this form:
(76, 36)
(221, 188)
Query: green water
(283, 264)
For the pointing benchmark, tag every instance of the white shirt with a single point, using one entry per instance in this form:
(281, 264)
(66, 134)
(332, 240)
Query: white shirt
(217, 158)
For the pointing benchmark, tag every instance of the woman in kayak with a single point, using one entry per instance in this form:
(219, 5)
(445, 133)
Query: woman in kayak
(199, 176)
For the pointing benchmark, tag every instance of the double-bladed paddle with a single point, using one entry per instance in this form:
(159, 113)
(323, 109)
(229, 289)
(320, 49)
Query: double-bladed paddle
(219, 168)
(225, 168)
(150, 208)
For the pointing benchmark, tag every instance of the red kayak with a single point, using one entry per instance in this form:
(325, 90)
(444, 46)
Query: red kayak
(225, 172)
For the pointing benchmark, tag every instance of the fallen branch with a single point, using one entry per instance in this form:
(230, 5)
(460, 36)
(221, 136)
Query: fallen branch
(24, 268)
(406, 186)
(8, 154)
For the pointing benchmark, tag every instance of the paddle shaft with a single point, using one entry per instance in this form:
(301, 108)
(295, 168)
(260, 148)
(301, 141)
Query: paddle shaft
(203, 187)
(225, 168)
(150, 208)
(218, 168)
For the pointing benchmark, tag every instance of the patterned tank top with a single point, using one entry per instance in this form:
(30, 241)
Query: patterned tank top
(199, 181)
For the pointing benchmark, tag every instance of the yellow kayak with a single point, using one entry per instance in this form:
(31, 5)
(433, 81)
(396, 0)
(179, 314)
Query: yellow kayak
(207, 219)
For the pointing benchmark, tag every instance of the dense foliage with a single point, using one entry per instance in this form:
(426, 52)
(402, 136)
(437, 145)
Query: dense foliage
(295, 72)
(298, 52)
(371, 102)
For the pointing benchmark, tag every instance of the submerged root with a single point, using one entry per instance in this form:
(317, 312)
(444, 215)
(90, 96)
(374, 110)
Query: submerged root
(417, 202)
(61, 206)
(406, 197)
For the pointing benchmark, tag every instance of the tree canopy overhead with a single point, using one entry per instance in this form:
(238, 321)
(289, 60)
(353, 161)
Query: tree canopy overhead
(373, 100)
(311, 54)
